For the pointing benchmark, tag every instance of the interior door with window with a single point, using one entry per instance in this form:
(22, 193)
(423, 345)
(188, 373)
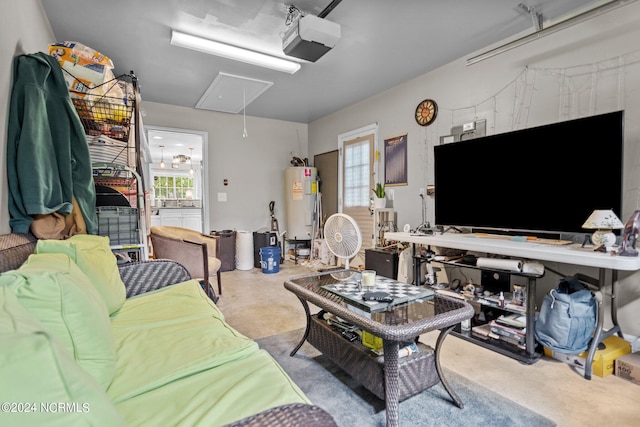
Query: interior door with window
(357, 167)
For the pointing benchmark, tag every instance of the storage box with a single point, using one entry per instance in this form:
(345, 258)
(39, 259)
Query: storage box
(603, 360)
(628, 367)
(119, 223)
(371, 341)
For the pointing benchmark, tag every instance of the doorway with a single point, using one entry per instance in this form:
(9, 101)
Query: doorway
(327, 166)
(177, 167)
(356, 174)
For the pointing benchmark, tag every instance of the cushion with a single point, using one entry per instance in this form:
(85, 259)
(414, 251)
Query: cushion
(37, 370)
(95, 258)
(54, 290)
(217, 396)
(169, 334)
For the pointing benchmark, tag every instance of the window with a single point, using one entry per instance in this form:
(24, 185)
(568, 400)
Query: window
(357, 187)
(173, 187)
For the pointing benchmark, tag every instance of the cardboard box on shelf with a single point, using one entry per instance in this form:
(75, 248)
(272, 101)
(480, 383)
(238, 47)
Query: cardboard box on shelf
(603, 360)
(628, 367)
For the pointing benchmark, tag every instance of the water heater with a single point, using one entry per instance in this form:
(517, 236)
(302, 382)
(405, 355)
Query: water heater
(301, 191)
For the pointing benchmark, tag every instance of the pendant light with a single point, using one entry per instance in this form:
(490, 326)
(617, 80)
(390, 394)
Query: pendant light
(162, 165)
(244, 112)
(191, 171)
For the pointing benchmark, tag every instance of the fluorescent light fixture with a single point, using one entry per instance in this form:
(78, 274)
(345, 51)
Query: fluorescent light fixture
(232, 52)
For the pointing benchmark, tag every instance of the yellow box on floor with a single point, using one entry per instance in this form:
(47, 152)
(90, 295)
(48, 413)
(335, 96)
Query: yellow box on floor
(603, 360)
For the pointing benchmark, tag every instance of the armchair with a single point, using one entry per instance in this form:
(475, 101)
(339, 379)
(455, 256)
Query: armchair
(197, 252)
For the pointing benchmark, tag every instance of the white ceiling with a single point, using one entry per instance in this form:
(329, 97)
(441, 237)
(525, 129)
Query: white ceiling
(383, 43)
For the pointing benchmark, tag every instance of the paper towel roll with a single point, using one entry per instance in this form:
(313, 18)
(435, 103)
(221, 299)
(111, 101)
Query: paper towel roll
(499, 263)
(244, 250)
(532, 267)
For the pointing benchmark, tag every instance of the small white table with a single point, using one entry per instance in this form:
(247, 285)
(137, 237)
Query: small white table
(531, 249)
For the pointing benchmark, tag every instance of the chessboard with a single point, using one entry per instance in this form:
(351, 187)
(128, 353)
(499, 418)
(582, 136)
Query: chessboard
(400, 292)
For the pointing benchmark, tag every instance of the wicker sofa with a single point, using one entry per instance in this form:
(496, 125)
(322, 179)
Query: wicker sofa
(84, 341)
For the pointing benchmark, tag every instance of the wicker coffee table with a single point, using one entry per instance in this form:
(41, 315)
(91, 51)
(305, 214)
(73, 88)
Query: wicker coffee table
(390, 377)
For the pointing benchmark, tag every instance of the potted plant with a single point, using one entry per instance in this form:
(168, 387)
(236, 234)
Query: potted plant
(379, 200)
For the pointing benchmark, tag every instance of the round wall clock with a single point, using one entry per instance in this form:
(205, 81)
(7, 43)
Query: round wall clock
(426, 112)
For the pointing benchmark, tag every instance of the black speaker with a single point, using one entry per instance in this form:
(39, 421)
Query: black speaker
(384, 262)
(494, 281)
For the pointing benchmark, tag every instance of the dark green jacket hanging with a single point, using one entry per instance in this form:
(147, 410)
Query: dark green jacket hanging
(48, 159)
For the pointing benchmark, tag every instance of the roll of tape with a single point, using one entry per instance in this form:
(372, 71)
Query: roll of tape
(406, 228)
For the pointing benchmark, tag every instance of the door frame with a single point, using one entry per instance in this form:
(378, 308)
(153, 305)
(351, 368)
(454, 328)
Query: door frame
(204, 172)
(371, 129)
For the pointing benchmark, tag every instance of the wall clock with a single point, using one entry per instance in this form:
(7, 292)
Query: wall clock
(426, 112)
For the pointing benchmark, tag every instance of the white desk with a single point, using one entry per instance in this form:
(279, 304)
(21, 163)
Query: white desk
(569, 254)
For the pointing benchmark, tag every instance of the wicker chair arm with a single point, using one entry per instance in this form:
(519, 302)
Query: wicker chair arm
(144, 276)
(291, 415)
(15, 249)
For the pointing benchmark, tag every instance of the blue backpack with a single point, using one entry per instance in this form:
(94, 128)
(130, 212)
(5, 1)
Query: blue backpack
(567, 318)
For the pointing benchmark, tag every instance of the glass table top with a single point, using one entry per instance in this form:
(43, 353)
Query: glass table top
(410, 303)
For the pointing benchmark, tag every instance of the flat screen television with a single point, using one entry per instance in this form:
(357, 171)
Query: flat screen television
(542, 180)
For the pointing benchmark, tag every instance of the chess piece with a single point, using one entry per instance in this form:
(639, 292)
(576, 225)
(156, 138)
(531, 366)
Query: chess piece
(630, 235)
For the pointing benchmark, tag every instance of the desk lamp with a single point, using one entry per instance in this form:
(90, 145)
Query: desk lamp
(603, 221)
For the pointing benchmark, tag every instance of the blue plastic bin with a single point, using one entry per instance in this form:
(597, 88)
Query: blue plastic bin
(270, 259)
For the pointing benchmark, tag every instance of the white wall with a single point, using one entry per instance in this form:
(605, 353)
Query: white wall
(254, 166)
(587, 69)
(24, 28)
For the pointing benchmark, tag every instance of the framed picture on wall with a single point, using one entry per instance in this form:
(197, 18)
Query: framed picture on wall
(395, 160)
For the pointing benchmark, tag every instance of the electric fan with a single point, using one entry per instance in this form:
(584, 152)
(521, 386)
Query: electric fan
(343, 238)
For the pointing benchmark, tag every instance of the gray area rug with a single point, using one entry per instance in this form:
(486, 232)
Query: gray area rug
(350, 404)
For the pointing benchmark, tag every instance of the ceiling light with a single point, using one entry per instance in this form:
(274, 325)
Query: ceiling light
(162, 159)
(232, 52)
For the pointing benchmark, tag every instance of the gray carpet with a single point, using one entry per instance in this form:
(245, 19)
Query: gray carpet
(352, 405)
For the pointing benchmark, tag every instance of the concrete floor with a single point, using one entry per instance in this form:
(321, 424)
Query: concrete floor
(258, 305)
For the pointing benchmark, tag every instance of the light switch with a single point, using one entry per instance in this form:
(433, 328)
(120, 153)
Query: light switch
(222, 197)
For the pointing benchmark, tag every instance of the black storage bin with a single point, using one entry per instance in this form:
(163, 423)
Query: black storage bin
(261, 240)
(227, 249)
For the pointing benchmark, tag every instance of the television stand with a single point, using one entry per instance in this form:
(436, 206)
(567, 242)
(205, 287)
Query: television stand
(608, 267)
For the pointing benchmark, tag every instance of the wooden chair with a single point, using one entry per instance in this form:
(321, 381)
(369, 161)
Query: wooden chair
(197, 252)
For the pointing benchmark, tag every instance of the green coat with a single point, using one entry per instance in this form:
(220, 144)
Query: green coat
(48, 159)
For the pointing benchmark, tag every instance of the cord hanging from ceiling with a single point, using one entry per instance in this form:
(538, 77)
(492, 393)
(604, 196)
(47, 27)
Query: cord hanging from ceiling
(244, 113)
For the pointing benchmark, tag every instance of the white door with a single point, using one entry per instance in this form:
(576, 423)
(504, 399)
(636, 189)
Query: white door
(356, 177)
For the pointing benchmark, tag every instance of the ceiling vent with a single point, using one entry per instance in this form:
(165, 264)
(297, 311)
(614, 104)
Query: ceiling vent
(228, 93)
(310, 37)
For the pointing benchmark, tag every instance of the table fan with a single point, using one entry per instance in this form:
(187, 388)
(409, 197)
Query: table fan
(343, 237)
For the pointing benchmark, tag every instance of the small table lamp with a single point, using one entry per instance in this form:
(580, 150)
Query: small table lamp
(603, 221)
